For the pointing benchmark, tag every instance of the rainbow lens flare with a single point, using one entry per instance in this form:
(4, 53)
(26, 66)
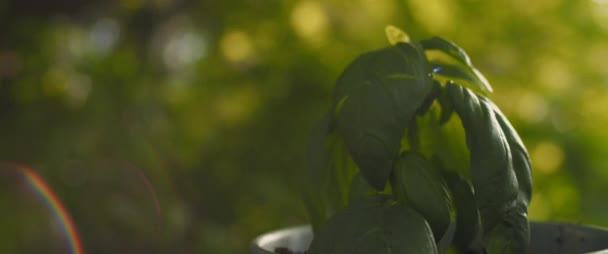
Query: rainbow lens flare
(56, 207)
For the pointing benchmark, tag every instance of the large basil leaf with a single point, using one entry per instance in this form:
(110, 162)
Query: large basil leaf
(512, 235)
(503, 217)
(418, 183)
(372, 227)
(492, 172)
(375, 99)
(520, 156)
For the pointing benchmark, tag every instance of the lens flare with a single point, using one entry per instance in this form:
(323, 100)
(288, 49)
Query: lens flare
(55, 206)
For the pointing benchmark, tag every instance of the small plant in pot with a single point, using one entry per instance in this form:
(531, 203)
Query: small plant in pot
(413, 157)
(388, 150)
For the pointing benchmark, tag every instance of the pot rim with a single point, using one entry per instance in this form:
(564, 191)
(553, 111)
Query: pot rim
(551, 226)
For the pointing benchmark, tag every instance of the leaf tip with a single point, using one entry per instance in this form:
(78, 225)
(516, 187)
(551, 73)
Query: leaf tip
(484, 82)
(396, 35)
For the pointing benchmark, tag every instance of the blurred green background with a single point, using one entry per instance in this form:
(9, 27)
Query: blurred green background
(205, 108)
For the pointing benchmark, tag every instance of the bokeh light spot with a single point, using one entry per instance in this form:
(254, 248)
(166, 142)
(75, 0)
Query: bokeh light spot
(564, 198)
(103, 35)
(266, 35)
(235, 106)
(599, 9)
(184, 49)
(532, 108)
(72, 86)
(436, 15)
(378, 9)
(547, 157)
(72, 43)
(540, 208)
(554, 75)
(594, 106)
(132, 4)
(534, 8)
(77, 89)
(54, 81)
(236, 46)
(596, 57)
(309, 21)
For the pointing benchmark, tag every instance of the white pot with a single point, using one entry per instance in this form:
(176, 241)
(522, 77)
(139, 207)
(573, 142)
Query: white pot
(545, 237)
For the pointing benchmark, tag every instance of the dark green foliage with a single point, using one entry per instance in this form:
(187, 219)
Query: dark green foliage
(492, 172)
(502, 206)
(468, 223)
(374, 226)
(448, 47)
(452, 71)
(418, 183)
(446, 107)
(383, 125)
(359, 189)
(221, 179)
(464, 70)
(521, 159)
(374, 101)
(428, 101)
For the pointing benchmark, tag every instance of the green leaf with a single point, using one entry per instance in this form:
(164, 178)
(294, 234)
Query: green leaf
(396, 35)
(468, 223)
(450, 48)
(482, 81)
(374, 100)
(510, 236)
(497, 192)
(466, 73)
(418, 183)
(457, 53)
(492, 172)
(521, 159)
(372, 136)
(372, 227)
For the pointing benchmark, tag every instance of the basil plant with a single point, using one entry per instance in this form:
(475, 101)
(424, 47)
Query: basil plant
(413, 157)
